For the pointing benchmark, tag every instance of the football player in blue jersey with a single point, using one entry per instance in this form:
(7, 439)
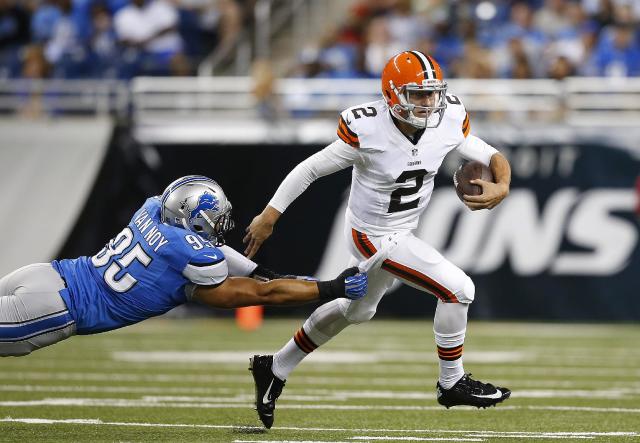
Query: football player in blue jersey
(172, 251)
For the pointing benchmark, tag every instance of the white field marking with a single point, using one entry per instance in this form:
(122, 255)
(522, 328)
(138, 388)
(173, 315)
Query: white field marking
(237, 395)
(120, 389)
(292, 394)
(332, 357)
(469, 433)
(150, 403)
(403, 395)
(616, 393)
(292, 441)
(208, 378)
(388, 438)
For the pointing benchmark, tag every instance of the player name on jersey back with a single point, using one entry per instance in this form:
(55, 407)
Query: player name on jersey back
(149, 230)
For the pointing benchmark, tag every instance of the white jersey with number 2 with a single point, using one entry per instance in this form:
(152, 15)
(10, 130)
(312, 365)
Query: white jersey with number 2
(392, 177)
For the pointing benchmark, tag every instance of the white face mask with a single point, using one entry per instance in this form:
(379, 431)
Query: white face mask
(422, 106)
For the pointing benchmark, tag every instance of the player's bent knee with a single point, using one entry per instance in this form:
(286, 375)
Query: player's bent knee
(356, 316)
(468, 292)
(360, 316)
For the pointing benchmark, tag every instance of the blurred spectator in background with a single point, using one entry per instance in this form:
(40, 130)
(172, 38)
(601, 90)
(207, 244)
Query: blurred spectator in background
(34, 67)
(552, 18)
(470, 38)
(380, 46)
(267, 103)
(14, 33)
(519, 43)
(148, 29)
(104, 46)
(617, 53)
(64, 49)
(569, 53)
(44, 19)
(209, 24)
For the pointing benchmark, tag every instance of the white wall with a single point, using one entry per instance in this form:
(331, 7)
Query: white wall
(47, 169)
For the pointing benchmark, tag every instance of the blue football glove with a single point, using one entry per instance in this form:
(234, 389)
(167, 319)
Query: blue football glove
(355, 286)
(351, 283)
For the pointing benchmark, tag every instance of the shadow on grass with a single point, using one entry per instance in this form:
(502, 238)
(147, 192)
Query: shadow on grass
(248, 429)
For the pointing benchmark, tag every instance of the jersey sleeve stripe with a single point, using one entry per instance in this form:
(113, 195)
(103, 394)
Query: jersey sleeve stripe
(345, 134)
(348, 129)
(205, 264)
(343, 130)
(466, 127)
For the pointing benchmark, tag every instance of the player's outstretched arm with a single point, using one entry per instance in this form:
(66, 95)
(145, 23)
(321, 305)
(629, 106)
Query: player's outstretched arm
(236, 292)
(492, 193)
(338, 155)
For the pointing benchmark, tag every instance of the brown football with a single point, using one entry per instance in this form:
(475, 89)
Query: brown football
(469, 171)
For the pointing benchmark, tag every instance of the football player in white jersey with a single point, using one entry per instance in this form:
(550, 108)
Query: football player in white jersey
(395, 146)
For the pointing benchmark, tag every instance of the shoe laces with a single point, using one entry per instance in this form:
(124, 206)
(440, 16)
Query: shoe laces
(479, 386)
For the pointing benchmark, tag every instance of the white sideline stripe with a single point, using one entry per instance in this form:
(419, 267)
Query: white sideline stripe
(150, 402)
(470, 433)
(323, 357)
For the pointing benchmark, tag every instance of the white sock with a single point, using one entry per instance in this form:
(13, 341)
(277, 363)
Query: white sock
(324, 323)
(286, 359)
(449, 326)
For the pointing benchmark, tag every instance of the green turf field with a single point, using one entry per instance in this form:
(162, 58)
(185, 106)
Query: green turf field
(187, 380)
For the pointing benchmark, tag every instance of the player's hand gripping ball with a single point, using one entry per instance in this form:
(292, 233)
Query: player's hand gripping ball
(470, 171)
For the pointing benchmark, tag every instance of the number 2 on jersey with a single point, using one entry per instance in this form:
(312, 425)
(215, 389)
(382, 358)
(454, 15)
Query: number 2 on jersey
(116, 247)
(396, 205)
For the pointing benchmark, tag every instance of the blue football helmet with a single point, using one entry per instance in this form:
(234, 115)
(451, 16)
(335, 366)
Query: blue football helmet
(197, 203)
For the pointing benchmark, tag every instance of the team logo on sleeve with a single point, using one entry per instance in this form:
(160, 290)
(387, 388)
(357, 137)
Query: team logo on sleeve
(206, 202)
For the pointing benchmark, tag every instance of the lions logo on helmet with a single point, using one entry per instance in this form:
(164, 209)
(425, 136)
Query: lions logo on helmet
(197, 203)
(205, 202)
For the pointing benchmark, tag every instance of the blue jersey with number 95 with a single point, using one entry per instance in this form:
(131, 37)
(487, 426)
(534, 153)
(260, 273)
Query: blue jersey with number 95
(140, 273)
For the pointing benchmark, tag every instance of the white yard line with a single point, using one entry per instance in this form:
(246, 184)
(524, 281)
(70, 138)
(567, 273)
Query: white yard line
(291, 441)
(465, 433)
(153, 402)
(388, 438)
(355, 380)
(302, 394)
(238, 395)
(332, 357)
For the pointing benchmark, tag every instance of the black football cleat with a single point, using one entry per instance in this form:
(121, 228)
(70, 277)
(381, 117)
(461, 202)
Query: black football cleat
(470, 392)
(268, 387)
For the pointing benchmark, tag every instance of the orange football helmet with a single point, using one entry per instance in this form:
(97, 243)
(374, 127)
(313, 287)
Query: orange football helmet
(412, 77)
